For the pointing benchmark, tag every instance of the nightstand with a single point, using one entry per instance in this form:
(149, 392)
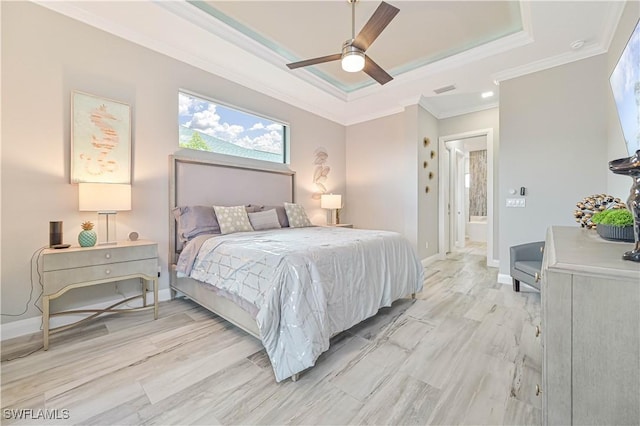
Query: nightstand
(75, 267)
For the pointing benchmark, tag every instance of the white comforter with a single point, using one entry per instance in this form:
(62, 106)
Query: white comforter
(308, 284)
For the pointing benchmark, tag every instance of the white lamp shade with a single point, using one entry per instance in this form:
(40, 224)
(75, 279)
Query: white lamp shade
(98, 197)
(331, 201)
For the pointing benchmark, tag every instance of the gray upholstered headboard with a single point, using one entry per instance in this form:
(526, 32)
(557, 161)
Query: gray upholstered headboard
(207, 183)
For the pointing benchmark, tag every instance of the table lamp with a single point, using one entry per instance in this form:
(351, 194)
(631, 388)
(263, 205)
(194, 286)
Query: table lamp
(106, 199)
(332, 202)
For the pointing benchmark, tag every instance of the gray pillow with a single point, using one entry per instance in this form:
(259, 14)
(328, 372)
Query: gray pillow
(192, 221)
(267, 219)
(252, 208)
(282, 215)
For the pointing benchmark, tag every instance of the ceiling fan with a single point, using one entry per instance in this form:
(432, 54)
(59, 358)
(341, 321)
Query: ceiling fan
(353, 50)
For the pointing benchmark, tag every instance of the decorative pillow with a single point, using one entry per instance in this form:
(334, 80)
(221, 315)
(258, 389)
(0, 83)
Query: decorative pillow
(267, 219)
(252, 208)
(296, 215)
(282, 215)
(232, 219)
(192, 221)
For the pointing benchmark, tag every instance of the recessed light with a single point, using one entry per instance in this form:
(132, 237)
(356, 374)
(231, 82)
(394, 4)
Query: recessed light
(486, 95)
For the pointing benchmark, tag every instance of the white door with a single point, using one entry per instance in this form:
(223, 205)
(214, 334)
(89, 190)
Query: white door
(460, 197)
(445, 176)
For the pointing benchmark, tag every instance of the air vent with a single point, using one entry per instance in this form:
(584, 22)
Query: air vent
(445, 89)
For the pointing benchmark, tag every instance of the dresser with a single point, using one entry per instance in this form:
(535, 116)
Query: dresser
(75, 267)
(590, 330)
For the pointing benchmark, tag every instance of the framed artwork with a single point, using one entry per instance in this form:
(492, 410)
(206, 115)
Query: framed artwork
(100, 139)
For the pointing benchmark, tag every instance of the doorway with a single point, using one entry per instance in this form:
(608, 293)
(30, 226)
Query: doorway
(454, 205)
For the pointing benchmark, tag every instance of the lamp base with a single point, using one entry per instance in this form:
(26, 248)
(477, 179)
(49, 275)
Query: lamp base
(334, 217)
(107, 228)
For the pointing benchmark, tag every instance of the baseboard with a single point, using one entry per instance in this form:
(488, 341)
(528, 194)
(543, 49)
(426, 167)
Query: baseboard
(34, 324)
(431, 259)
(493, 263)
(504, 279)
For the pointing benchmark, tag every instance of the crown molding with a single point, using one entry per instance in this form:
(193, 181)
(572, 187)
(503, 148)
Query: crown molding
(285, 88)
(611, 20)
(547, 63)
(304, 89)
(468, 110)
(229, 33)
(461, 59)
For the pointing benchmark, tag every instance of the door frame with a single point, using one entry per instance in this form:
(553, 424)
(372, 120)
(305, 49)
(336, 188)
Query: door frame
(444, 188)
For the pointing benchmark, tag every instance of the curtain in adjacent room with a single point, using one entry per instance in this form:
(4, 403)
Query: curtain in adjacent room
(478, 183)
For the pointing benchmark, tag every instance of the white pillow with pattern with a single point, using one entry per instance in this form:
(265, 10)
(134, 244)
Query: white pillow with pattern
(232, 219)
(297, 216)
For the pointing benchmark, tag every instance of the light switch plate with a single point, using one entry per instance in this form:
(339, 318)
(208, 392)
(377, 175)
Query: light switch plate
(516, 202)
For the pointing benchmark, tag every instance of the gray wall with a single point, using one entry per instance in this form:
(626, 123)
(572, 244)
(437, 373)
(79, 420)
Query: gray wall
(617, 185)
(46, 55)
(487, 119)
(385, 178)
(428, 126)
(553, 127)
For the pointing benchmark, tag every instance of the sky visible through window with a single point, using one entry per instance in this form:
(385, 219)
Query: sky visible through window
(625, 83)
(214, 123)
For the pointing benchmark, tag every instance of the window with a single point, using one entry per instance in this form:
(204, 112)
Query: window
(209, 126)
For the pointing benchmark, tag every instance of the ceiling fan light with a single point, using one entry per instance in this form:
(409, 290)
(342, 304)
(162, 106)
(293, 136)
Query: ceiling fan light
(352, 57)
(353, 62)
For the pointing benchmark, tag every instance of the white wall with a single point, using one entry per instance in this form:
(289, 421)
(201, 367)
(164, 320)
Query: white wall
(44, 57)
(375, 174)
(553, 127)
(618, 185)
(385, 178)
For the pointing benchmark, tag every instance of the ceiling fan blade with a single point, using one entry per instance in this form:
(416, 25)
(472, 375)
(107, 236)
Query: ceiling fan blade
(314, 61)
(376, 24)
(375, 72)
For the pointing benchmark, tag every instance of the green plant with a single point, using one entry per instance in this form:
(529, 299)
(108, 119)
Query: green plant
(614, 217)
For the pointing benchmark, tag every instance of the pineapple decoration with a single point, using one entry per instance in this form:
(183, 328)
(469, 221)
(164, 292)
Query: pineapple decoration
(87, 237)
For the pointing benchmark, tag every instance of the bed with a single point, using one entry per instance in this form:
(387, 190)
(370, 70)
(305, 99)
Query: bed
(292, 288)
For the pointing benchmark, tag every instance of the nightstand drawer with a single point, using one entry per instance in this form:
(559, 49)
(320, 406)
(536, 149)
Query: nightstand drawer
(82, 257)
(57, 280)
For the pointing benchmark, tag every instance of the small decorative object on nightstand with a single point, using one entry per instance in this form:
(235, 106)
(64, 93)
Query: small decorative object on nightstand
(88, 266)
(87, 237)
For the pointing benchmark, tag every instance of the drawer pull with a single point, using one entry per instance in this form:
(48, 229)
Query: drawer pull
(537, 277)
(537, 331)
(107, 271)
(108, 255)
(538, 390)
(541, 249)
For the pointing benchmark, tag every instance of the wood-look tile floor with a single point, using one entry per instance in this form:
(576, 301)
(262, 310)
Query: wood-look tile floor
(464, 352)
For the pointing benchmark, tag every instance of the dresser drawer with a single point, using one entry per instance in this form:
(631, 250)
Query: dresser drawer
(78, 258)
(57, 280)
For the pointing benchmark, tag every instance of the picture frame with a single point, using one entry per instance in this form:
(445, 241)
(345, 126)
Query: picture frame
(100, 139)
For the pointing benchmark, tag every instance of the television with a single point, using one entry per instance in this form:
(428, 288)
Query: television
(625, 85)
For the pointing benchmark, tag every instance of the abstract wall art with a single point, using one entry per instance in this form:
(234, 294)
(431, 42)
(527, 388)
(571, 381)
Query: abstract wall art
(100, 139)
